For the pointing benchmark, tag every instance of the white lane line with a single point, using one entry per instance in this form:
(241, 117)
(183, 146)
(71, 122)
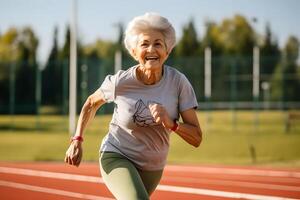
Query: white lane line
(169, 188)
(232, 171)
(51, 191)
(219, 193)
(244, 184)
(46, 174)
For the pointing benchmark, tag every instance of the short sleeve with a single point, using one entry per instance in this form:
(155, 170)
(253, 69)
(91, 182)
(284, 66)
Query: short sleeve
(108, 88)
(187, 96)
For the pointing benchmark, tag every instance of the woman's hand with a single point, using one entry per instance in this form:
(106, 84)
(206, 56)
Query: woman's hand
(160, 115)
(74, 153)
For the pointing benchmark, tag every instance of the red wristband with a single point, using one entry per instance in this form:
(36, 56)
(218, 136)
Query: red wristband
(175, 126)
(79, 138)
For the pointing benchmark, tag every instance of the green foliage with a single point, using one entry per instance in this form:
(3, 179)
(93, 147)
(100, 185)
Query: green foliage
(189, 44)
(291, 52)
(236, 36)
(270, 54)
(231, 41)
(65, 51)
(211, 39)
(52, 90)
(286, 80)
(18, 66)
(28, 44)
(101, 49)
(8, 45)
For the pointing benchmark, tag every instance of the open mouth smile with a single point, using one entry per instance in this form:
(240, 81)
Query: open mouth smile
(151, 58)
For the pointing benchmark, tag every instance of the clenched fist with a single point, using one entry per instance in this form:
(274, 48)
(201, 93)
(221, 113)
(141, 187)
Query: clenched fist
(160, 115)
(74, 153)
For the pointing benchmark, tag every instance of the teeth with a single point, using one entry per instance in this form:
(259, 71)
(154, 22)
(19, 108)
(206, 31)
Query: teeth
(151, 58)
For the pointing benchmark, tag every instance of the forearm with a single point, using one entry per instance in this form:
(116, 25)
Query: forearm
(87, 114)
(190, 133)
(84, 119)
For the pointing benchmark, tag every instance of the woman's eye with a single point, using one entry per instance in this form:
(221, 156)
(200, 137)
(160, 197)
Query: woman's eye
(158, 44)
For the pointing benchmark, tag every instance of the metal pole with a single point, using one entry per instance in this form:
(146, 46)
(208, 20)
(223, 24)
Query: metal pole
(207, 80)
(118, 61)
(73, 70)
(255, 90)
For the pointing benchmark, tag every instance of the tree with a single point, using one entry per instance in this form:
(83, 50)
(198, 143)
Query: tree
(210, 38)
(9, 45)
(285, 80)
(52, 90)
(29, 44)
(189, 44)
(233, 40)
(65, 52)
(18, 49)
(9, 54)
(236, 36)
(291, 82)
(270, 54)
(26, 74)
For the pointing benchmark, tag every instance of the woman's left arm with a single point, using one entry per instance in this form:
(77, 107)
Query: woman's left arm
(190, 129)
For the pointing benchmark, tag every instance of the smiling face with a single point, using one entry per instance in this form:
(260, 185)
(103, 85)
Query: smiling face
(151, 51)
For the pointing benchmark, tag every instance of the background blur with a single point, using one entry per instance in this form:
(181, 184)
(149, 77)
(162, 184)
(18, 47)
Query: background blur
(240, 126)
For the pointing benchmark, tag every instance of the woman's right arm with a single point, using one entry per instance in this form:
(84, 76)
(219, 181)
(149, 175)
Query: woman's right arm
(87, 114)
(88, 111)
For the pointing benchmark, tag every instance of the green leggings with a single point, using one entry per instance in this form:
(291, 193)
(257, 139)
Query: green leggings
(124, 180)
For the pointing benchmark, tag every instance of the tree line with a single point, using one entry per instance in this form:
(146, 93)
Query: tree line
(231, 42)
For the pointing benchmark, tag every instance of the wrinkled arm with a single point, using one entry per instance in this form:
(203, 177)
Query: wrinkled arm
(88, 111)
(190, 129)
(87, 114)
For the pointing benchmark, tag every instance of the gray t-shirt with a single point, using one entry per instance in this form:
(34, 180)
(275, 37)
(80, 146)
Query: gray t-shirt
(132, 130)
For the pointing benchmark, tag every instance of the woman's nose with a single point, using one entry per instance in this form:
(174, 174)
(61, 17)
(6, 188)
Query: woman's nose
(150, 48)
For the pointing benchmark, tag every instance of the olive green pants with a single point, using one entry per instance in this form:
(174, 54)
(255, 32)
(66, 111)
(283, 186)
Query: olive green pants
(124, 180)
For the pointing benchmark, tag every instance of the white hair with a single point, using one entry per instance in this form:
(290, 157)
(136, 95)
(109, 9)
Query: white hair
(149, 21)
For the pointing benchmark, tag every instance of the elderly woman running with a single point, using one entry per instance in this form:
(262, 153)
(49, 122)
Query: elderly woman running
(149, 99)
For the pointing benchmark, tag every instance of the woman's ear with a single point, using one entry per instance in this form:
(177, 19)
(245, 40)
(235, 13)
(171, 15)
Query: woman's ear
(133, 54)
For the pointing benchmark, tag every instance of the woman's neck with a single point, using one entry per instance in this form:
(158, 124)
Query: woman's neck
(149, 76)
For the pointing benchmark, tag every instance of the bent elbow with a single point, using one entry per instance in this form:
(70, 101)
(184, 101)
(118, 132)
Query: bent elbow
(88, 104)
(92, 103)
(197, 143)
(198, 139)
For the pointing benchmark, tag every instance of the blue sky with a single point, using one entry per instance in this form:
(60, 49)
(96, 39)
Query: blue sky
(96, 18)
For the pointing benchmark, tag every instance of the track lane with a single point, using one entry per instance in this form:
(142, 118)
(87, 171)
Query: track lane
(194, 179)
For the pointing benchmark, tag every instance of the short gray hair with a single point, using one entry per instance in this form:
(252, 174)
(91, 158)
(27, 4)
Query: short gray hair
(149, 21)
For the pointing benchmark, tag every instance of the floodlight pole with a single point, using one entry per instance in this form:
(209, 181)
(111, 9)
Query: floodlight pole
(73, 70)
(207, 73)
(255, 90)
(207, 80)
(118, 61)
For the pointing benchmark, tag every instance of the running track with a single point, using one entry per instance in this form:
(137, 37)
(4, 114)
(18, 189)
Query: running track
(52, 181)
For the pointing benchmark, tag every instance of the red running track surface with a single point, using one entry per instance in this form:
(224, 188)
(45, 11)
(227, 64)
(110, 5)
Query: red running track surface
(43, 181)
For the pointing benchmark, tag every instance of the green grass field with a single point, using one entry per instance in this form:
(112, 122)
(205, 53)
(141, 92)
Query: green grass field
(226, 139)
